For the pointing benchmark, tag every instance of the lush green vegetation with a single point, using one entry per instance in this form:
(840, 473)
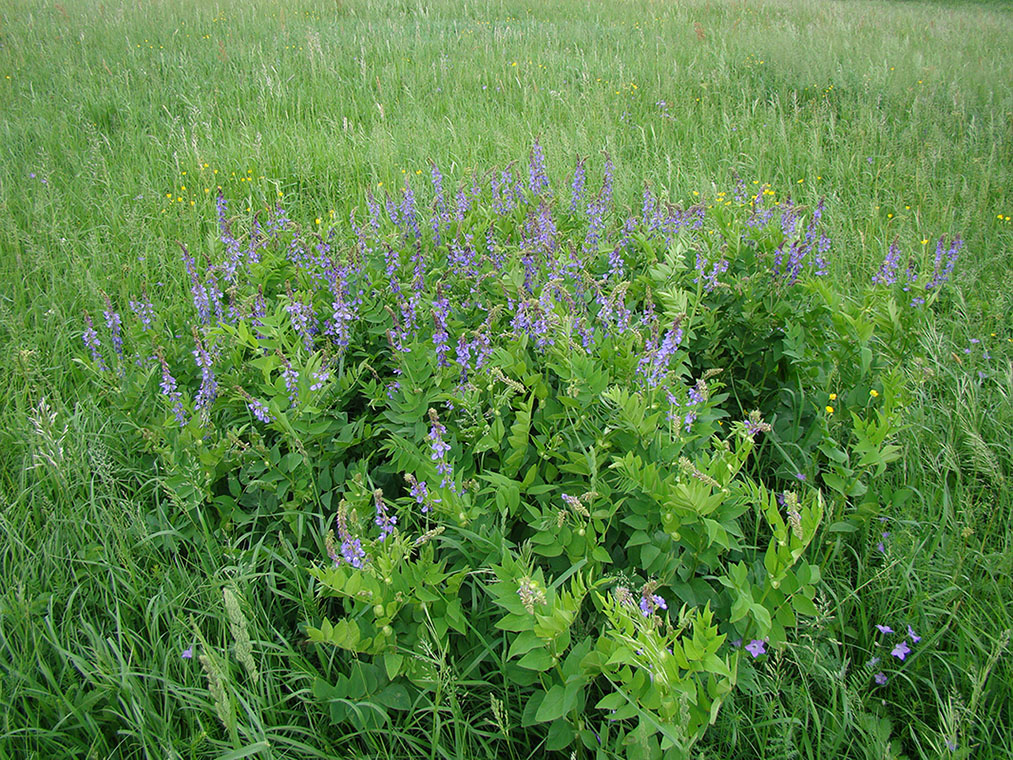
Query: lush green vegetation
(126, 543)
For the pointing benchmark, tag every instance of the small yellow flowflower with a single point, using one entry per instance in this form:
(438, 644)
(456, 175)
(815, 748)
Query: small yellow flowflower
(830, 409)
(874, 393)
(833, 396)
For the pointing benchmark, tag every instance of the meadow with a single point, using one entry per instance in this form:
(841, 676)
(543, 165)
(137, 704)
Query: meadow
(143, 613)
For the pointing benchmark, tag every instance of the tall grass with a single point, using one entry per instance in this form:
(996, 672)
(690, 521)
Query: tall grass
(119, 121)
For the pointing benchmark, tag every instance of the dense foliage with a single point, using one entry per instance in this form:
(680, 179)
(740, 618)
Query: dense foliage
(579, 451)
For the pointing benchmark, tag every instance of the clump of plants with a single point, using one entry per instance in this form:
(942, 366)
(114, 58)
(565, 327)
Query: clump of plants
(579, 453)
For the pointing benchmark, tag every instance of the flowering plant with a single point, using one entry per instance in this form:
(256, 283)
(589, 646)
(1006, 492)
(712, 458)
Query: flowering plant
(574, 447)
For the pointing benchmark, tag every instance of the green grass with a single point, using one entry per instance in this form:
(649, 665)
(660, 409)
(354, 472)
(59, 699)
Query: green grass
(898, 113)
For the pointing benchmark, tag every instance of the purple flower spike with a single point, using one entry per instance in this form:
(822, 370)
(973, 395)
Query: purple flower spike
(92, 343)
(756, 647)
(915, 638)
(384, 521)
(260, 411)
(884, 628)
(649, 604)
(880, 678)
(577, 186)
(188, 653)
(887, 274)
(901, 651)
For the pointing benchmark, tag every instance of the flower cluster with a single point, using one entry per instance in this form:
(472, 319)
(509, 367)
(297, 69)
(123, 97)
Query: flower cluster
(351, 550)
(900, 650)
(530, 593)
(439, 449)
(384, 521)
(169, 390)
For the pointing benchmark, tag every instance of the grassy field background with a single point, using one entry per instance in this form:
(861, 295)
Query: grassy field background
(118, 123)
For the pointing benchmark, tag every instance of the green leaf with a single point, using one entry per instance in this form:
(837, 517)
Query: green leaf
(395, 696)
(740, 607)
(553, 706)
(601, 555)
(804, 605)
(524, 642)
(528, 717)
(611, 701)
(247, 751)
(536, 659)
(560, 736)
(649, 553)
(512, 622)
(762, 617)
(518, 438)
(393, 663)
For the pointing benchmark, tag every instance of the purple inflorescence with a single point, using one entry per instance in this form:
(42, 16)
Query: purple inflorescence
(794, 253)
(260, 411)
(409, 215)
(544, 229)
(942, 272)
(789, 218)
(199, 292)
(393, 267)
(596, 225)
(231, 244)
(168, 386)
(461, 204)
(463, 356)
(649, 604)
(114, 323)
(530, 318)
(653, 365)
(887, 274)
(577, 186)
(709, 272)
(343, 314)
(303, 319)
(351, 548)
(384, 521)
(208, 385)
(320, 378)
(538, 179)
(755, 425)
(257, 241)
(92, 343)
(145, 312)
(441, 310)
(290, 377)
(650, 218)
(439, 449)
(462, 258)
(503, 191)
(374, 212)
(420, 492)
(213, 291)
